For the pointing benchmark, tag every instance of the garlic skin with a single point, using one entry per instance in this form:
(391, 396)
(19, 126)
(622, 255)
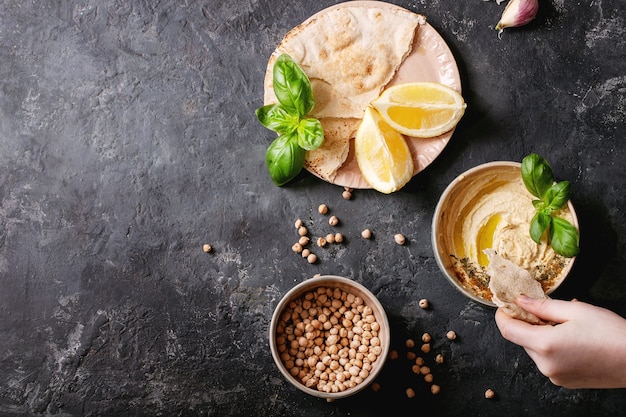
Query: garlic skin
(518, 13)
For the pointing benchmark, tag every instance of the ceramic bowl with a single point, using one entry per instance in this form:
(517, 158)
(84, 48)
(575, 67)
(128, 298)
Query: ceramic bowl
(468, 190)
(297, 357)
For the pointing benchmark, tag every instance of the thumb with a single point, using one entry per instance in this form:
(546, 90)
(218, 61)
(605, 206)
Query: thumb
(547, 309)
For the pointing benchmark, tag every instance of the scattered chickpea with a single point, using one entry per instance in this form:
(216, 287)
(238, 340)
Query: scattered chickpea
(347, 195)
(490, 394)
(419, 361)
(424, 370)
(366, 234)
(304, 240)
(297, 248)
(375, 386)
(333, 221)
(207, 248)
(312, 258)
(416, 369)
(330, 238)
(428, 378)
(439, 358)
(393, 354)
(435, 389)
(298, 223)
(410, 393)
(409, 343)
(426, 347)
(302, 231)
(305, 253)
(451, 335)
(423, 303)
(400, 239)
(338, 238)
(426, 338)
(322, 209)
(321, 242)
(411, 356)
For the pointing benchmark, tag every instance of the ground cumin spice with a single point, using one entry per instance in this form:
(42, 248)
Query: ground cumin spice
(475, 278)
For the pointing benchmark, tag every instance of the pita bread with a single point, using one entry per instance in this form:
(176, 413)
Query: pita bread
(507, 282)
(350, 54)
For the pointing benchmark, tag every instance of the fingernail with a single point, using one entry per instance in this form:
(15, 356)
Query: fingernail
(524, 299)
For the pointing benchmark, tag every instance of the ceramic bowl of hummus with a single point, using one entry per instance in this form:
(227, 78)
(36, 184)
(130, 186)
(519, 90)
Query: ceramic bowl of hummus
(329, 336)
(488, 207)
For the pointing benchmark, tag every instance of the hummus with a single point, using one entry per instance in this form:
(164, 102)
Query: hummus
(494, 211)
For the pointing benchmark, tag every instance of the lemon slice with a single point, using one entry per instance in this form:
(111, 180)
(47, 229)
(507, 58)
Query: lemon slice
(382, 153)
(421, 109)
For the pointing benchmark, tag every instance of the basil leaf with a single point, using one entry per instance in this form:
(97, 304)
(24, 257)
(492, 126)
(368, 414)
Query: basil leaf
(564, 238)
(292, 86)
(557, 195)
(538, 225)
(276, 118)
(310, 134)
(536, 174)
(284, 159)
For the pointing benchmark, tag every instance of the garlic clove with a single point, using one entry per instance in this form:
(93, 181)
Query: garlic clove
(518, 13)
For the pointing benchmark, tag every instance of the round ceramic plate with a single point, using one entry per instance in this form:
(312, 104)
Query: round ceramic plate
(430, 60)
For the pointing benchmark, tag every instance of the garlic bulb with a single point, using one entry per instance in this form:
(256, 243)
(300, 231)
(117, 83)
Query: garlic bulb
(518, 13)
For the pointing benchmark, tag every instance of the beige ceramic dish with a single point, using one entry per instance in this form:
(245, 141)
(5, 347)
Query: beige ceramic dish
(349, 286)
(453, 206)
(430, 60)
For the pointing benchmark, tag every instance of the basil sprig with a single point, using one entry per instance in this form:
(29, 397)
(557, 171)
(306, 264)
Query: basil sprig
(538, 179)
(297, 133)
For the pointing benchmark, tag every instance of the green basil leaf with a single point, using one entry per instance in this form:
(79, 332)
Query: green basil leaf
(539, 205)
(564, 238)
(310, 134)
(557, 195)
(536, 174)
(292, 86)
(275, 117)
(538, 225)
(284, 159)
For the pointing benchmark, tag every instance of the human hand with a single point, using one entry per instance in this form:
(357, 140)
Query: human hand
(585, 349)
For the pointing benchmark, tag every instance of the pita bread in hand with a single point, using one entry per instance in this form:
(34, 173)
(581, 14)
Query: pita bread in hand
(507, 282)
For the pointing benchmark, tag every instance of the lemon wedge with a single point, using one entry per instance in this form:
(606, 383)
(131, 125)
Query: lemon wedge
(382, 153)
(421, 109)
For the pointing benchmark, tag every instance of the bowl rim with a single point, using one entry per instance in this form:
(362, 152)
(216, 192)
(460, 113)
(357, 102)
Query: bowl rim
(435, 229)
(301, 288)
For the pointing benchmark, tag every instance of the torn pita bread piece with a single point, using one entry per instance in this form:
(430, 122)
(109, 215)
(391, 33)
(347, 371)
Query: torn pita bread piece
(326, 160)
(508, 281)
(350, 53)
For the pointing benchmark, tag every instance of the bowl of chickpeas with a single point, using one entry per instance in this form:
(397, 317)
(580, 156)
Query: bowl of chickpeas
(329, 336)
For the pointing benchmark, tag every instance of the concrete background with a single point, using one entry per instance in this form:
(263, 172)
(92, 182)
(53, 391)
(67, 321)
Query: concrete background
(128, 140)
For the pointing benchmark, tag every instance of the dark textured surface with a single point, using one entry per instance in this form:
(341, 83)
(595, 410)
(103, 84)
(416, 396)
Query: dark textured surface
(128, 139)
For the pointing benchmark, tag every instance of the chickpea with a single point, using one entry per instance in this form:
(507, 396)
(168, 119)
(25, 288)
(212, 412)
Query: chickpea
(426, 347)
(375, 386)
(321, 242)
(490, 394)
(435, 389)
(424, 370)
(312, 258)
(304, 240)
(393, 354)
(333, 221)
(400, 239)
(451, 335)
(305, 253)
(206, 248)
(423, 303)
(410, 393)
(428, 378)
(416, 369)
(347, 195)
(298, 223)
(419, 361)
(439, 358)
(426, 338)
(338, 238)
(303, 231)
(330, 238)
(366, 234)
(297, 248)
(322, 209)
(411, 356)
